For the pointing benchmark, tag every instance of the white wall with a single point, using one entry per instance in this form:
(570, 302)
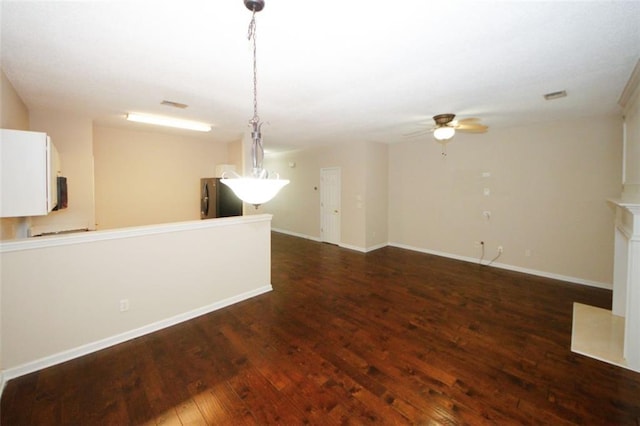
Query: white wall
(145, 177)
(549, 184)
(60, 295)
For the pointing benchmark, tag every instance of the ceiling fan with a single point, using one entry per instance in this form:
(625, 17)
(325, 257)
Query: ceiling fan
(446, 126)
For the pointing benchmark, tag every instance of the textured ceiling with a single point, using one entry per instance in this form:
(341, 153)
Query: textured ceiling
(328, 71)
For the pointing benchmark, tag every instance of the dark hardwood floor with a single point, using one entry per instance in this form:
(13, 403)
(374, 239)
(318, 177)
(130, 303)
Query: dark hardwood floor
(390, 337)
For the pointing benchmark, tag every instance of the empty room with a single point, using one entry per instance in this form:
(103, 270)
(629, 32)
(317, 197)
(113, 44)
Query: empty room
(282, 212)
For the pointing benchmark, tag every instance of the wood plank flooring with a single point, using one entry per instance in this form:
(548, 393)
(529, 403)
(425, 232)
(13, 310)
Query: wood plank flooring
(390, 337)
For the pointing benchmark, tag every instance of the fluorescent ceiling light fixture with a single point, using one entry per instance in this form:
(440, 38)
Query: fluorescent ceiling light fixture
(169, 122)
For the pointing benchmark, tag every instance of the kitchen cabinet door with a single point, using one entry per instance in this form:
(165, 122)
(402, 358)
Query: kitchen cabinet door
(28, 170)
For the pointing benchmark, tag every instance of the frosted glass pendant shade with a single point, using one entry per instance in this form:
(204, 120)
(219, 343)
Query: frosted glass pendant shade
(444, 133)
(253, 190)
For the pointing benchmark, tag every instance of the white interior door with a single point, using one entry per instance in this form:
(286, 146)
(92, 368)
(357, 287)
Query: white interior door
(330, 192)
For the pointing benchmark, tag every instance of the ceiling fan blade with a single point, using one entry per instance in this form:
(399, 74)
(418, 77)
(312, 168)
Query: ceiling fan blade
(468, 120)
(471, 125)
(417, 133)
(478, 128)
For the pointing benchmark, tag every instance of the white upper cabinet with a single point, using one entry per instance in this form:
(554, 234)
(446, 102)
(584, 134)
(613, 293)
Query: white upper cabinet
(29, 165)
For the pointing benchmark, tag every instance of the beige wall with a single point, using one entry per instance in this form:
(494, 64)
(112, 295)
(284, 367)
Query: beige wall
(144, 178)
(377, 194)
(69, 305)
(235, 155)
(632, 143)
(13, 115)
(632, 121)
(351, 158)
(13, 112)
(73, 137)
(296, 209)
(548, 188)
(549, 184)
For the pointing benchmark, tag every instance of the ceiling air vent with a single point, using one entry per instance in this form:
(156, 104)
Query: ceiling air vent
(174, 104)
(555, 95)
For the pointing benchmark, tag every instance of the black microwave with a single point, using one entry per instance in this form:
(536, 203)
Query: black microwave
(62, 194)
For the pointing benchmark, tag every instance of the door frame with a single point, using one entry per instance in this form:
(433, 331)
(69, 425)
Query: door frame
(338, 202)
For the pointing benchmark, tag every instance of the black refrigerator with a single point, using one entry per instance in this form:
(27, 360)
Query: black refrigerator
(218, 200)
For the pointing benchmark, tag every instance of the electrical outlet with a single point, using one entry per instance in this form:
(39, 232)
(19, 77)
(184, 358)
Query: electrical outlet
(500, 249)
(124, 305)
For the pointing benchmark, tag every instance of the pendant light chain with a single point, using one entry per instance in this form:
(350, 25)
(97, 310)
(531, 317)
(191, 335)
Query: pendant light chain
(257, 149)
(252, 35)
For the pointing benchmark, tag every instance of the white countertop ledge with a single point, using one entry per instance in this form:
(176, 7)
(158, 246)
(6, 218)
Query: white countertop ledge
(119, 233)
(624, 203)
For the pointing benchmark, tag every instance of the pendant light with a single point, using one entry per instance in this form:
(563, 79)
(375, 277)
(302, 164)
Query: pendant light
(260, 186)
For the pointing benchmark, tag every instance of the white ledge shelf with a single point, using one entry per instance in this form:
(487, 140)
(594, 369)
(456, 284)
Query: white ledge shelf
(119, 233)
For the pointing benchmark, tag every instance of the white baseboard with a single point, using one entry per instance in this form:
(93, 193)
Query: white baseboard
(319, 240)
(376, 247)
(350, 247)
(363, 249)
(3, 382)
(574, 280)
(538, 273)
(295, 234)
(70, 354)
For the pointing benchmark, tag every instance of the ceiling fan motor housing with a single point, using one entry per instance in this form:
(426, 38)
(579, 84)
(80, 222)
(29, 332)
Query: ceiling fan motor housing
(443, 119)
(256, 5)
